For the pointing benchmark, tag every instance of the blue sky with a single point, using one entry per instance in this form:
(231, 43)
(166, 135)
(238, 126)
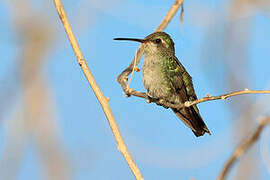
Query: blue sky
(161, 145)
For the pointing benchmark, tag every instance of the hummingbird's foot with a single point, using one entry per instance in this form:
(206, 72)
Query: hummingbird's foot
(162, 102)
(159, 102)
(149, 99)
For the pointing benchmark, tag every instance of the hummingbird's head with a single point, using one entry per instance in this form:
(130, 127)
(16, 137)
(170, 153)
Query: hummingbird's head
(157, 42)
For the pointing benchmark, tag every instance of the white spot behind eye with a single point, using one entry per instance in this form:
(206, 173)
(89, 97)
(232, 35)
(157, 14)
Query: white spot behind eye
(166, 45)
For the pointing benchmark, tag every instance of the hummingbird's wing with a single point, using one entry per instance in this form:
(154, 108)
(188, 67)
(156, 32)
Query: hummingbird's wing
(181, 83)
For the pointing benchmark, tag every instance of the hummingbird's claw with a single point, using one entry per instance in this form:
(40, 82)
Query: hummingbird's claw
(159, 102)
(149, 99)
(162, 102)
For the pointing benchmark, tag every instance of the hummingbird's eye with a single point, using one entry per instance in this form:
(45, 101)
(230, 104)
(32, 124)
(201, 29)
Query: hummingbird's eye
(158, 41)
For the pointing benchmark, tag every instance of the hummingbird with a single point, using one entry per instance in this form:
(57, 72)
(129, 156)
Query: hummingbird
(164, 77)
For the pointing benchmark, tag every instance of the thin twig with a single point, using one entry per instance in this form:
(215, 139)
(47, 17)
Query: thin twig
(182, 14)
(242, 148)
(182, 18)
(123, 77)
(101, 98)
(169, 15)
(133, 69)
(166, 104)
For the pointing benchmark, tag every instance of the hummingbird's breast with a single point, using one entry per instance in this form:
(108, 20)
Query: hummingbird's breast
(153, 78)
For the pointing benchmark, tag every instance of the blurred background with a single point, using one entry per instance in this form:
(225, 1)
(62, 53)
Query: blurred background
(52, 126)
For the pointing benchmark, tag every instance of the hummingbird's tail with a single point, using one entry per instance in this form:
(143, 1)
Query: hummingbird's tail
(193, 120)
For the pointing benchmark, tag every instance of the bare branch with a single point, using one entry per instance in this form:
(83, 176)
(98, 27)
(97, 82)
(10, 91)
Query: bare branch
(225, 96)
(166, 104)
(101, 98)
(123, 77)
(242, 148)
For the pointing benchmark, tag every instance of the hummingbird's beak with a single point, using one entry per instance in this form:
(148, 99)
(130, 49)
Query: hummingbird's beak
(130, 39)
